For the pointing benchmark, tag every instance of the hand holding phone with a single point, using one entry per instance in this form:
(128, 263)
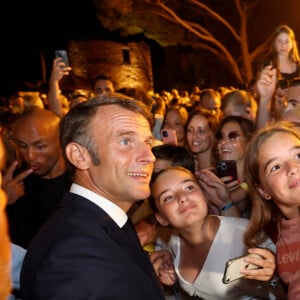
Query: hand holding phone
(168, 136)
(63, 55)
(225, 168)
(234, 266)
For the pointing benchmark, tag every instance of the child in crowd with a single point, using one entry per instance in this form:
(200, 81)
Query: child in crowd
(205, 242)
(283, 54)
(273, 175)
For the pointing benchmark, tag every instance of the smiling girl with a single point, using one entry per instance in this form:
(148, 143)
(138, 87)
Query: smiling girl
(273, 175)
(205, 242)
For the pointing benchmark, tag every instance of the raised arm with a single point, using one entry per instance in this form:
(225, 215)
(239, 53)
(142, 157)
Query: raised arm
(59, 70)
(266, 85)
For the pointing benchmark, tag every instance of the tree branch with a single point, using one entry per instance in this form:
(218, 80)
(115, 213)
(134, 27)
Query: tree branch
(210, 38)
(217, 17)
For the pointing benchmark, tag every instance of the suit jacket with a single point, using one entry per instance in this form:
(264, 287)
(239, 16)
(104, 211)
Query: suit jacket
(81, 253)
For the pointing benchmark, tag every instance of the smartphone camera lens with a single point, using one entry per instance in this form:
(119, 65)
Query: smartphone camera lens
(165, 133)
(222, 166)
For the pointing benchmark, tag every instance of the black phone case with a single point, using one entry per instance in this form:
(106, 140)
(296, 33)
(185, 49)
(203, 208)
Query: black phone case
(227, 168)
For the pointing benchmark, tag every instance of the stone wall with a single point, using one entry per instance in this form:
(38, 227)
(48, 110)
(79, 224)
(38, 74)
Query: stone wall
(128, 65)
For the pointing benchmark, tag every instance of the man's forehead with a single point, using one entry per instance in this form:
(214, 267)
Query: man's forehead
(103, 83)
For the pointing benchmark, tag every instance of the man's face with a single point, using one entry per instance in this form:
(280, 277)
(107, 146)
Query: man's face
(293, 95)
(292, 110)
(103, 86)
(211, 102)
(124, 149)
(38, 143)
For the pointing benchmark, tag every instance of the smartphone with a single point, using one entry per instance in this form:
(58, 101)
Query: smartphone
(227, 168)
(169, 136)
(234, 266)
(64, 55)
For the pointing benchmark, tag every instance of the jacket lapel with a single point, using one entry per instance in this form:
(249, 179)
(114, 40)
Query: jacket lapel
(127, 237)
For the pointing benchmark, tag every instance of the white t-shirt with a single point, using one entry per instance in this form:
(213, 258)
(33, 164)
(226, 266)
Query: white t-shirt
(228, 244)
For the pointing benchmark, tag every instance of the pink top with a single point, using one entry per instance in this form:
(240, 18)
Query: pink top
(288, 256)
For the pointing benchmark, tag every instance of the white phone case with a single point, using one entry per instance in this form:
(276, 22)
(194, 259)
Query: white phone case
(233, 268)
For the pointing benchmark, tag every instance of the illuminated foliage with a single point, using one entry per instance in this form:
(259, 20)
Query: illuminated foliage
(220, 29)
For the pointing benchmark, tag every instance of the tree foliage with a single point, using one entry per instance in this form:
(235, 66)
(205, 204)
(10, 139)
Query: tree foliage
(221, 29)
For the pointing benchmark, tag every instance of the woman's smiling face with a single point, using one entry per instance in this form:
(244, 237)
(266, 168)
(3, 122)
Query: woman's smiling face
(229, 148)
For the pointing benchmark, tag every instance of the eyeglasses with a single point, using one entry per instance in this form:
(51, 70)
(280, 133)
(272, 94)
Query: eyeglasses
(232, 136)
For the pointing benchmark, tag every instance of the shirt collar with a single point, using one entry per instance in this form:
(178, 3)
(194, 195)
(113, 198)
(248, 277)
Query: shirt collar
(113, 210)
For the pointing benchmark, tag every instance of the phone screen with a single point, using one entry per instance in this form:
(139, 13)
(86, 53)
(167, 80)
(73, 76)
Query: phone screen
(63, 54)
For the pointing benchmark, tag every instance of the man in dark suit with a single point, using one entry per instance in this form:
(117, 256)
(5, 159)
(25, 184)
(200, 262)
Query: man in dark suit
(89, 249)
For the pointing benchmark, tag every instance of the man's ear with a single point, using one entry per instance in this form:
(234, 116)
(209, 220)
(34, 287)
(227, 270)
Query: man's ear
(161, 220)
(263, 193)
(78, 156)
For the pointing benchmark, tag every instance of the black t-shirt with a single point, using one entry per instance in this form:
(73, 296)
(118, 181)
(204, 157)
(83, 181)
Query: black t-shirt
(27, 215)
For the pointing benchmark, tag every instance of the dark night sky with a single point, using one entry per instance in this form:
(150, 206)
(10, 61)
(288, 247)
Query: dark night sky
(31, 28)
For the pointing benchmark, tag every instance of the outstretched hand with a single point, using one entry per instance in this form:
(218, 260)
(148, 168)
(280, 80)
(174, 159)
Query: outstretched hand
(266, 83)
(59, 70)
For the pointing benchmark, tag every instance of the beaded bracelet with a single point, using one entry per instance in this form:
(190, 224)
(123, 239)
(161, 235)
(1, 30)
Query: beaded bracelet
(227, 206)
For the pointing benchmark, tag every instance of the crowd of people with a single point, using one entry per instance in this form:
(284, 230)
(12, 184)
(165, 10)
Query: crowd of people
(94, 205)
